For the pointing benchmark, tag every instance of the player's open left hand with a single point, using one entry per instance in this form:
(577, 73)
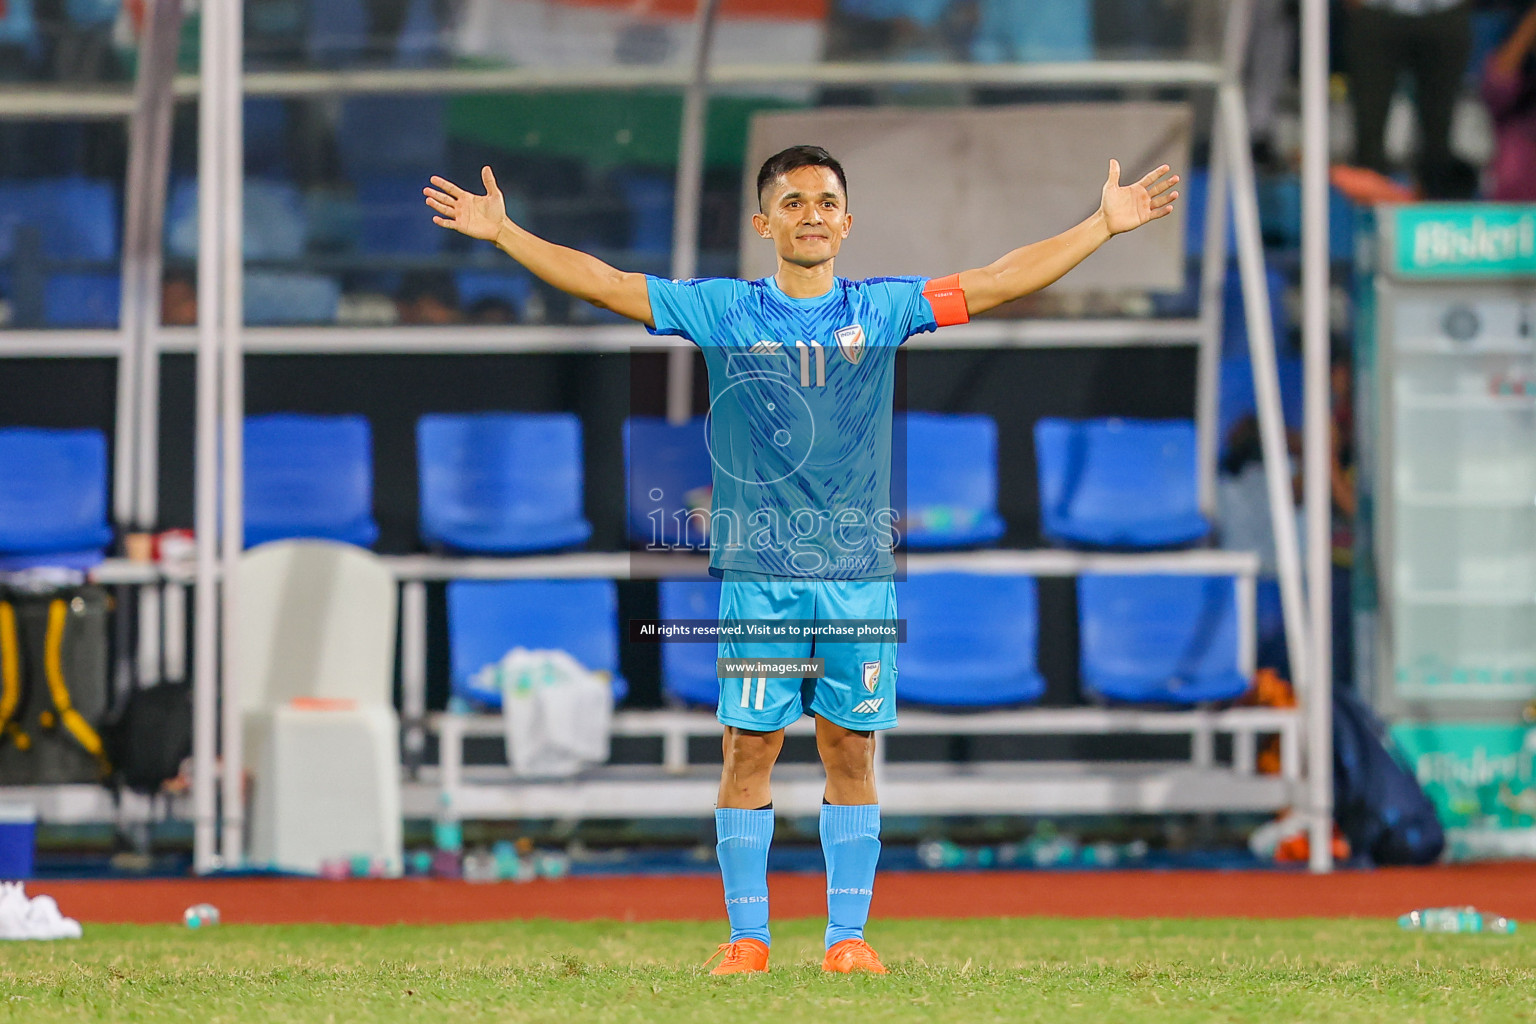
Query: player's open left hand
(465, 212)
(1126, 207)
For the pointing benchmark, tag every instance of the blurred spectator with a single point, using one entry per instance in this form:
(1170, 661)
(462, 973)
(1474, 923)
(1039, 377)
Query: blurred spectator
(428, 297)
(79, 36)
(1509, 89)
(18, 40)
(1429, 41)
(1245, 524)
(178, 298)
(491, 310)
(1242, 509)
(888, 29)
(1271, 68)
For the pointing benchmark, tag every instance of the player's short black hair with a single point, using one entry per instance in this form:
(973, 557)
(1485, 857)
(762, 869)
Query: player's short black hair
(794, 158)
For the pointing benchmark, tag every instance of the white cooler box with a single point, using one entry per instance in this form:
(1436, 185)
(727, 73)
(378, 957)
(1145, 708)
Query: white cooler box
(327, 787)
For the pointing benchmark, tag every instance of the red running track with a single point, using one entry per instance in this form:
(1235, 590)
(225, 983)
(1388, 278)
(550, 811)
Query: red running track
(1509, 888)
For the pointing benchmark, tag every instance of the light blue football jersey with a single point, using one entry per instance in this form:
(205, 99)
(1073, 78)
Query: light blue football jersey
(799, 426)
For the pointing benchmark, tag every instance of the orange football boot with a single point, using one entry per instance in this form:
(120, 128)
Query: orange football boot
(853, 956)
(744, 956)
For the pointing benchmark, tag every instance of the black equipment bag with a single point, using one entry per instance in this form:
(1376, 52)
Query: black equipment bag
(54, 685)
(152, 737)
(1377, 802)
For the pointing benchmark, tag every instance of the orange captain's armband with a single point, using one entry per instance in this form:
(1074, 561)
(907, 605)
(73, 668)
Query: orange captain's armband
(948, 301)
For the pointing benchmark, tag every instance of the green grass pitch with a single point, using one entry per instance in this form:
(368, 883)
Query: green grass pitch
(1033, 969)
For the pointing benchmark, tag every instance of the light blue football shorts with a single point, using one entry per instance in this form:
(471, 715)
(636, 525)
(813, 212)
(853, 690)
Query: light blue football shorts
(858, 689)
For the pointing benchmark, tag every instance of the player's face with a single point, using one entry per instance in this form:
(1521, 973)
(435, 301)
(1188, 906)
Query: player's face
(806, 215)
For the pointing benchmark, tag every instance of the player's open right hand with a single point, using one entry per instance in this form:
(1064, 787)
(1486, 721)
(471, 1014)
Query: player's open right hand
(465, 212)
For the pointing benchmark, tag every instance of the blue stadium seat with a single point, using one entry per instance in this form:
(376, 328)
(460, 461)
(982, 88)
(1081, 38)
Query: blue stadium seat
(487, 618)
(309, 476)
(1007, 30)
(1237, 398)
(501, 482)
(674, 461)
(393, 219)
(12, 216)
(393, 135)
(76, 218)
(1194, 192)
(335, 31)
(53, 503)
(945, 467)
(649, 198)
(1234, 323)
(688, 670)
(87, 227)
(273, 219)
(420, 40)
(268, 149)
(273, 297)
(514, 287)
(18, 27)
(92, 13)
(981, 656)
(1160, 639)
(1119, 483)
(82, 300)
(337, 34)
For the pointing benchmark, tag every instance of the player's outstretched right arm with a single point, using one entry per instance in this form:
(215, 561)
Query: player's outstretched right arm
(570, 270)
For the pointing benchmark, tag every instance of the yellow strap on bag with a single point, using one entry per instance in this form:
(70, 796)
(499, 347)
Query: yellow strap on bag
(10, 677)
(53, 664)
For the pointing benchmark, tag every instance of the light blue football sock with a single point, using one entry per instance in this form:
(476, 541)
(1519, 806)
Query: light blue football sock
(742, 846)
(850, 841)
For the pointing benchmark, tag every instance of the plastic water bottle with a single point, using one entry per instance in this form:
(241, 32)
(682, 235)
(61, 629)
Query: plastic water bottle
(201, 915)
(554, 864)
(1456, 919)
(479, 866)
(940, 853)
(506, 858)
(448, 835)
(418, 864)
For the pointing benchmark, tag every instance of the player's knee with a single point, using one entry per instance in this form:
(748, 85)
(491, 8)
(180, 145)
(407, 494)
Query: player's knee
(751, 753)
(847, 754)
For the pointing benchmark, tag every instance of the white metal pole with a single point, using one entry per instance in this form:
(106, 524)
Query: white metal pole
(206, 517)
(1232, 127)
(232, 801)
(163, 33)
(688, 192)
(1213, 271)
(1213, 278)
(1266, 381)
(1318, 700)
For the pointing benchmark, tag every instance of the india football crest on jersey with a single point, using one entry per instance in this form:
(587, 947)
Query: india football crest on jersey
(850, 341)
(871, 675)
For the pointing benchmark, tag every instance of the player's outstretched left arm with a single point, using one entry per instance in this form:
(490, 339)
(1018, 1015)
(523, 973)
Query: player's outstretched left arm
(1028, 269)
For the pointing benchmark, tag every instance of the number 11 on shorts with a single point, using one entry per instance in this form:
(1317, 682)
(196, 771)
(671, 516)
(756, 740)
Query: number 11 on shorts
(746, 691)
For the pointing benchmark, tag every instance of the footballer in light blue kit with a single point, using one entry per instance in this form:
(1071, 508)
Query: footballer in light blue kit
(801, 385)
